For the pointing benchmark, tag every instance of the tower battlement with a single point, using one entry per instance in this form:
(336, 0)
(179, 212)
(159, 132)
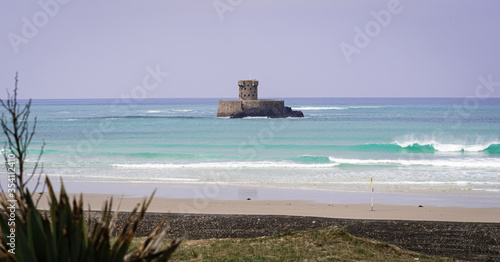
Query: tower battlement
(248, 90)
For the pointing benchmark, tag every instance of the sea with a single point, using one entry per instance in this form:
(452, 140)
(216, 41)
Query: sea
(395, 145)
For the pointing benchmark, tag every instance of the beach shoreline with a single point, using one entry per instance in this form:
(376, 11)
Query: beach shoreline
(230, 200)
(221, 191)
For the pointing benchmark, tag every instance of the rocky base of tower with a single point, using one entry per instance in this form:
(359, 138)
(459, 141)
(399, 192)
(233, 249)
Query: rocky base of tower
(268, 112)
(262, 108)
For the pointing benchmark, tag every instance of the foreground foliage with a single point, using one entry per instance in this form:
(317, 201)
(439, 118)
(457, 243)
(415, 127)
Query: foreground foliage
(62, 234)
(19, 129)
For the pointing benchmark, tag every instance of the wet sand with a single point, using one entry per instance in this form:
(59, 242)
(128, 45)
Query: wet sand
(299, 208)
(210, 199)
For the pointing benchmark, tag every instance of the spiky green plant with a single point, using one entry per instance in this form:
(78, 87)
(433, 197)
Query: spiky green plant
(62, 234)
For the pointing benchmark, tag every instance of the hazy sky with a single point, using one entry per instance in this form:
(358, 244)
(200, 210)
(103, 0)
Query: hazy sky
(322, 48)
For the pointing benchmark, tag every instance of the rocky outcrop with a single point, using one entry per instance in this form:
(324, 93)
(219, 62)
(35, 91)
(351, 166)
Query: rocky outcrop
(268, 112)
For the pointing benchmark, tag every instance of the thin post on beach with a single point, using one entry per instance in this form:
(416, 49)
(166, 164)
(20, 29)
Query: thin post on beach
(371, 183)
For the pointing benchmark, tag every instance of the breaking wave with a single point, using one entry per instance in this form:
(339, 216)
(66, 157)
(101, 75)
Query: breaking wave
(431, 146)
(465, 163)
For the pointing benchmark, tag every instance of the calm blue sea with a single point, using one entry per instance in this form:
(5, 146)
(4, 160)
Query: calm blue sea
(405, 145)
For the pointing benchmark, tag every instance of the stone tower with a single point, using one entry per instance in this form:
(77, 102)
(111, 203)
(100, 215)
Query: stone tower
(248, 89)
(249, 104)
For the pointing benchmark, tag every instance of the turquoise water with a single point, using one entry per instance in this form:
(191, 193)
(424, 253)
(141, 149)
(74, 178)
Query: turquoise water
(405, 145)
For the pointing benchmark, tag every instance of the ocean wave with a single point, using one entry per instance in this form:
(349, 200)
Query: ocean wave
(311, 159)
(333, 107)
(144, 117)
(255, 117)
(45, 151)
(308, 162)
(163, 155)
(228, 165)
(393, 148)
(119, 178)
(154, 111)
(465, 163)
(491, 147)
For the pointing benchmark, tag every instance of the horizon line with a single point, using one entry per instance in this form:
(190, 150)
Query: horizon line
(231, 98)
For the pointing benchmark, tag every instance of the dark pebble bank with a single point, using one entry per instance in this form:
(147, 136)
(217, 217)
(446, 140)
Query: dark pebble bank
(465, 241)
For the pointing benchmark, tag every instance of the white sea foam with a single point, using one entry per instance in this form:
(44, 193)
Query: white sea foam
(455, 147)
(467, 163)
(256, 117)
(229, 165)
(356, 107)
(332, 107)
(168, 110)
(120, 177)
(448, 147)
(451, 145)
(460, 183)
(320, 108)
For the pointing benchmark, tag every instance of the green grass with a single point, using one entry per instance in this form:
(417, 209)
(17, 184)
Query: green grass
(315, 245)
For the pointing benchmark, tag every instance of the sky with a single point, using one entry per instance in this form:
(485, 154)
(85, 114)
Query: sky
(66, 49)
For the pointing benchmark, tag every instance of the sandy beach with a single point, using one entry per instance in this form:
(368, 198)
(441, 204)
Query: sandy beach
(301, 208)
(268, 201)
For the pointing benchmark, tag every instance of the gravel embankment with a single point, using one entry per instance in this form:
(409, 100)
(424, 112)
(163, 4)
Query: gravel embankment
(466, 241)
